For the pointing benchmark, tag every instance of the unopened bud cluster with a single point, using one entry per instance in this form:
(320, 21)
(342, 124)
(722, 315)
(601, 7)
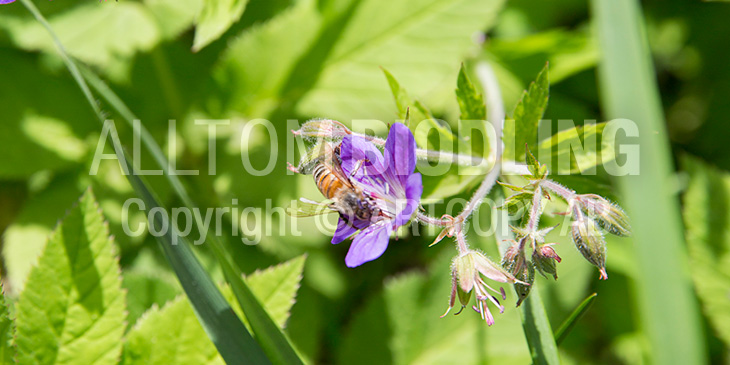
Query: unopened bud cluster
(591, 217)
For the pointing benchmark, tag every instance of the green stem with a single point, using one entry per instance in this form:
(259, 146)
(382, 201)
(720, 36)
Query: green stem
(535, 324)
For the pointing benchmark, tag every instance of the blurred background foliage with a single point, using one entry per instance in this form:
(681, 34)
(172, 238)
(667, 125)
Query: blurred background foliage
(287, 59)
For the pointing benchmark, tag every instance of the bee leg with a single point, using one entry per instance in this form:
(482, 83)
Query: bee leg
(291, 168)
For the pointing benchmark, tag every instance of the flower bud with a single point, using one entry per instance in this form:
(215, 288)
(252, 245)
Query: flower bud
(607, 215)
(515, 263)
(468, 271)
(544, 258)
(590, 242)
(323, 128)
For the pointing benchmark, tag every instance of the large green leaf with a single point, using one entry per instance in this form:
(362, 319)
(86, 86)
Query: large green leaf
(104, 35)
(72, 308)
(421, 41)
(7, 329)
(337, 72)
(173, 335)
(521, 129)
(706, 207)
(215, 18)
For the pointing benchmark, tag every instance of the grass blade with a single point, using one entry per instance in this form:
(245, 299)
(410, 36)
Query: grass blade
(668, 308)
(267, 333)
(573, 318)
(222, 325)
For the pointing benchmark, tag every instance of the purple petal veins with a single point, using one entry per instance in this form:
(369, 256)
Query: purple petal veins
(368, 245)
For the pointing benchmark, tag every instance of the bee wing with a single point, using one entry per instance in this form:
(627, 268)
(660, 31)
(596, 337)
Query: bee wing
(308, 208)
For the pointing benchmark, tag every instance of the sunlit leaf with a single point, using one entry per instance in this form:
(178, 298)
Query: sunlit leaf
(521, 129)
(276, 288)
(471, 102)
(577, 150)
(173, 335)
(72, 309)
(215, 18)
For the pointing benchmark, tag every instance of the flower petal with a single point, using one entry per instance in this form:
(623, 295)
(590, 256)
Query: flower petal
(343, 231)
(400, 151)
(6, 1)
(368, 245)
(357, 151)
(414, 189)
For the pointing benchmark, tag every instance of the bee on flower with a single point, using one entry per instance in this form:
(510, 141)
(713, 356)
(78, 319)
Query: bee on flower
(374, 192)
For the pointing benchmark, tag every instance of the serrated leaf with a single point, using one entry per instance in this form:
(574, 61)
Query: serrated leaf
(521, 129)
(471, 102)
(146, 290)
(7, 351)
(173, 334)
(577, 150)
(276, 288)
(708, 240)
(72, 309)
(214, 19)
(517, 202)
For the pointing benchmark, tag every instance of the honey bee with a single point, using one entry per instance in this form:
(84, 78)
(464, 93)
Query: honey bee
(343, 195)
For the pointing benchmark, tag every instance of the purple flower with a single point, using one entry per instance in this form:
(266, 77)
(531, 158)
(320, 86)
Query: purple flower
(392, 189)
(6, 1)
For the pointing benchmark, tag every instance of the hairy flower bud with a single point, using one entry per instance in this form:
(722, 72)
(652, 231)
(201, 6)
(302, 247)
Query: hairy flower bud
(515, 263)
(323, 128)
(590, 242)
(544, 258)
(607, 215)
(468, 271)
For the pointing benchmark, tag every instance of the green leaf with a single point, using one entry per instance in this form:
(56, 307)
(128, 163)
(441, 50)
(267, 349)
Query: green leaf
(628, 87)
(417, 113)
(381, 33)
(577, 150)
(401, 325)
(97, 34)
(174, 16)
(173, 335)
(471, 102)
(570, 322)
(568, 52)
(7, 330)
(707, 222)
(72, 308)
(145, 291)
(276, 288)
(214, 19)
(521, 130)
(214, 312)
(335, 73)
